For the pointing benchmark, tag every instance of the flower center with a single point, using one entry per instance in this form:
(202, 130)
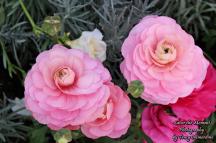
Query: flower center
(166, 50)
(107, 111)
(64, 77)
(165, 53)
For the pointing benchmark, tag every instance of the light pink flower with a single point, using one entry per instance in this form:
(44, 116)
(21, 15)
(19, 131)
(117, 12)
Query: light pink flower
(163, 56)
(201, 102)
(65, 87)
(114, 119)
(164, 128)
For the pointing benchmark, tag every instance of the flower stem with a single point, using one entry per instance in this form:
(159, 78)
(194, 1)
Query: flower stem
(27, 14)
(36, 29)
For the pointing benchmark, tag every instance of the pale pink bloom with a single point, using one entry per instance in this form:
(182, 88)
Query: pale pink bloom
(163, 56)
(65, 87)
(201, 102)
(162, 127)
(114, 119)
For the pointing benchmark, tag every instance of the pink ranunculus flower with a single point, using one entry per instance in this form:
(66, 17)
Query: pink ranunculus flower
(114, 119)
(201, 102)
(163, 56)
(162, 127)
(65, 87)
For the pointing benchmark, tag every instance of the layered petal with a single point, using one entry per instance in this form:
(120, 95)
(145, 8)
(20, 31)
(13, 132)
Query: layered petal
(114, 120)
(163, 56)
(201, 102)
(162, 127)
(66, 87)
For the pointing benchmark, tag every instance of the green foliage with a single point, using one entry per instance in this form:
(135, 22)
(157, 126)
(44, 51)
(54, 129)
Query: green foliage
(14, 39)
(38, 135)
(75, 15)
(12, 127)
(210, 38)
(12, 69)
(212, 128)
(2, 14)
(194, 15)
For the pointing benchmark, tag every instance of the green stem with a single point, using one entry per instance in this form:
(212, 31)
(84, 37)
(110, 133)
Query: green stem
(27, 14)
(36, 29)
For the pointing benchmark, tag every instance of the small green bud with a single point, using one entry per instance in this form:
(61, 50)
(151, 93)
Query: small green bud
(52, 25)
(63, 136)
(135, 88)
(62, 140)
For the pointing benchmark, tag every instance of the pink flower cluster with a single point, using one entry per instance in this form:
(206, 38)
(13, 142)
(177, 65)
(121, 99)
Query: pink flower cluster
(67, 89)
(160, 54)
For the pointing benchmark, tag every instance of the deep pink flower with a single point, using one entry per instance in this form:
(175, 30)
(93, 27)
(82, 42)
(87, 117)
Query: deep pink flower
(163, 56)
(162, 127)
(114, 119)
(65, 87)
(201, 102)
